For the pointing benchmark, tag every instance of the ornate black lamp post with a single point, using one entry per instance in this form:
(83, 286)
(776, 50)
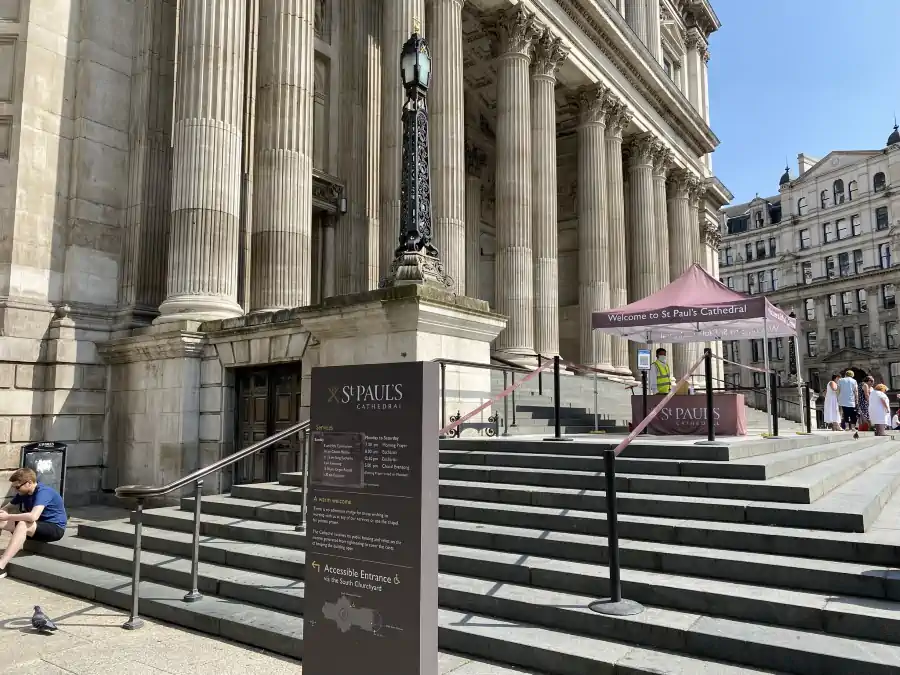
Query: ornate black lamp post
(416, 260)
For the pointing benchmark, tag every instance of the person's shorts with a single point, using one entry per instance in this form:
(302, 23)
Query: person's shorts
(849, 414)
(44, 531)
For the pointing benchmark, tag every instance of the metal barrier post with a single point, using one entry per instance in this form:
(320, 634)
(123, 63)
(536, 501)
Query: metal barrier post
(614, 605)
(807, 403)
(596, 404)
(557, 424)
(443, 397)
(710, 410)
(644, 397)
(540, 376)
(194, 594)
(304, 462)
(513, 395)
(773, 386)
(505, 408)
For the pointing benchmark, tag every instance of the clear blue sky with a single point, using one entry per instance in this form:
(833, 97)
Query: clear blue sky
(790, 76)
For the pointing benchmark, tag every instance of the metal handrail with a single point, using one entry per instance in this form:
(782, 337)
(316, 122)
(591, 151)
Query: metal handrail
(141, 493)
(146, 492)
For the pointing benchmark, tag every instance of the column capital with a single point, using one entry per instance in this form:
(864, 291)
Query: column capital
(704, 53)
(711, 234)
(618, 117)
(641, 150)
(693, 39)
(593, 104)
(679, 182)
(513, 31)
(696, 190)
(476, 160)
(549, 54)
(662, 160)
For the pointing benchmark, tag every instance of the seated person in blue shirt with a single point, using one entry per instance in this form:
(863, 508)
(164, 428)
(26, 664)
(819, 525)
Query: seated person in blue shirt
(42, 518)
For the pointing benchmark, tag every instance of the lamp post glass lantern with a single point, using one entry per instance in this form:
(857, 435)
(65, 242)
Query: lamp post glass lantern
(416, 260)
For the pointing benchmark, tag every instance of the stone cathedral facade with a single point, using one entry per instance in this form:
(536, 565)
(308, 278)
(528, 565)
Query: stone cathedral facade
(182, 183)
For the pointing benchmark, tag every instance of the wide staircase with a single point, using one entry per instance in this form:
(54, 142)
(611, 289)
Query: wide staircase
(534, 406)
(763, 556)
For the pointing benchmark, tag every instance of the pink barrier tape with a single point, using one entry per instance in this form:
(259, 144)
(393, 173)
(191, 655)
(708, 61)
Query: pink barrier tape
(659, 406)
(496, 399)
(591, 369)
(735, 363)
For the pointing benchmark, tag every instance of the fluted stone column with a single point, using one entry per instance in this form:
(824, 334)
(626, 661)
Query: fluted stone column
(697, 205)
(514, 30)
(593, 223)
(642, 278)
(206, 171)
(636, 17)
(681, 247)
(661, 162)
(653, 30)
(549, 53)
(282, 227)
(447, 130)
(475, 165)
(694, 43)
(397, 17)
(617, 119)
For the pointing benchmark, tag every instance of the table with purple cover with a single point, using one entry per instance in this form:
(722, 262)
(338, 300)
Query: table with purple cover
(685, 414)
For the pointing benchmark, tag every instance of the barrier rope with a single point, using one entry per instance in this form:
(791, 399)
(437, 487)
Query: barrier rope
(496, 399)
(742, 365)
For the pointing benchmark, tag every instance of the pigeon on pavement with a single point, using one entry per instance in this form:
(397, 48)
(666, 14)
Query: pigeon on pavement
(41, 621)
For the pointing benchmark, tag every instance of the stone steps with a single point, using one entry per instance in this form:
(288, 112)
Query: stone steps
(711, 543)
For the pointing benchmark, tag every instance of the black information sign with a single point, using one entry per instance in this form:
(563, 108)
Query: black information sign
(372, 533)
(48, 460)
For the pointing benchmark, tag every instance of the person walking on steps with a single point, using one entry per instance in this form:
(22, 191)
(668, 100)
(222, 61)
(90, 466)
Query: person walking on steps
(832, 409)
(660, 374)
(863, 420)
(880, 409)
(848, 399)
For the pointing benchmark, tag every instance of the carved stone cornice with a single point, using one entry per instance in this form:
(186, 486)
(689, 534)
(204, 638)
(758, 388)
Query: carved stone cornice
(476, 160)
(513, 31)
(618, 117)
(179, 344)
(549, 55)
(593, 103)
(662, 160)
(641, 150)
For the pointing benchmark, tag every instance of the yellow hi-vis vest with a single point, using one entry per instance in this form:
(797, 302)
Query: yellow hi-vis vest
(663, 377)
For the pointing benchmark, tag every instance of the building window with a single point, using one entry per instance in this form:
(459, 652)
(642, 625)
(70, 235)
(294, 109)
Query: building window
(835, 340)
(761, 278)
(756, 350)
(778, 344)
(806, 272)
(812, 346)
(856, 225)
(748, 251)
(878, 183)
(773, 247)
(729, 281)
(851, 190)
(864, 336)
(857, 261)
(847, 303)
(838, 192)
(729, 256)
(850, 336)
(887, 296)
(804, 238)
(895, 376)
(881, 218)
(758, 380)
(809, 309)
(801, 206)
(760, 250)
(844, 264)
(773, 276)
(668, 67)
(842, 228)
(827, 233)
(884, 255)
(760, 220)
(890, 334)
(830, 269)
(751, 283)
(861, 301)
(823, 198)
(833, 305)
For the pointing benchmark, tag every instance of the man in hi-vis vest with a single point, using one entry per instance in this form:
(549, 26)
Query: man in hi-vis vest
(660, 373)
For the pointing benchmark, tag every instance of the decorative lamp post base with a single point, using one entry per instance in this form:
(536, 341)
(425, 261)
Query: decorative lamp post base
(416, 267)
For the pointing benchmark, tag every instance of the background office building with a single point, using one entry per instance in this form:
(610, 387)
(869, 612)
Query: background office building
(823, 247)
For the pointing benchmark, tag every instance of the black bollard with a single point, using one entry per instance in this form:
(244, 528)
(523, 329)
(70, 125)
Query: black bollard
(773, 386)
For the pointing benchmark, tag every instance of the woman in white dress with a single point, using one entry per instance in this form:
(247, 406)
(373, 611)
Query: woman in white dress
(880, 409)
(832, 410)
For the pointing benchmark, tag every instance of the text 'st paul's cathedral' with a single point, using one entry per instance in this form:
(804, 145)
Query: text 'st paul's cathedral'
(200, 198)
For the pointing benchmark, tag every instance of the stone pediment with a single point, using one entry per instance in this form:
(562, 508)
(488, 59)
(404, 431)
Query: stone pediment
(848, 356)
(834, 161)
